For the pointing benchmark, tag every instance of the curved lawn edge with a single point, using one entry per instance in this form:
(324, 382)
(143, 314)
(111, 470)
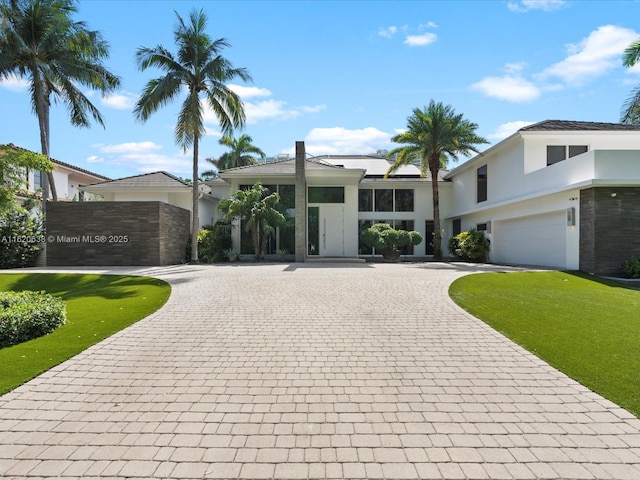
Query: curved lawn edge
(581, 325)
(98, 305)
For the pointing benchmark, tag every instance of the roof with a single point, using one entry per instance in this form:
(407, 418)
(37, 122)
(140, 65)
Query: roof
(555, 125)
(67, 165)
(374, 166)
(283, 167)
(146, 180)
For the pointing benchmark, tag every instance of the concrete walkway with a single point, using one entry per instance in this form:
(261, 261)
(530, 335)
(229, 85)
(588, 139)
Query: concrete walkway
(312, 371)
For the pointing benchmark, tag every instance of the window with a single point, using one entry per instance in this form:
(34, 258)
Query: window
(404, 200)
(384, 200)
(287, 195)
(326, 194)
(362, 248)
(37, 180)
(457, 227)
(481, 227)
(365, 200)
(429, 229)
(558, 153)
(482, 184)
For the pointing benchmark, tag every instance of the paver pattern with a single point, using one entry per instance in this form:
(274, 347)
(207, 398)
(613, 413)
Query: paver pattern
(312, 371)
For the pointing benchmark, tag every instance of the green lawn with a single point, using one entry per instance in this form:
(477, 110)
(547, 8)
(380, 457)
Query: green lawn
(97, 306)
(586, 327)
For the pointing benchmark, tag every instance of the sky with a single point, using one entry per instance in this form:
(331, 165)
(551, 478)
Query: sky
(344, 76)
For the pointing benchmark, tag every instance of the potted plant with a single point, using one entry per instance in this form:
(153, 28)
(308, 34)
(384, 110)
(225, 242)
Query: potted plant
(388, 241)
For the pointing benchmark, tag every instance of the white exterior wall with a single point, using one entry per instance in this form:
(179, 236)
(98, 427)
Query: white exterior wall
(350, 226)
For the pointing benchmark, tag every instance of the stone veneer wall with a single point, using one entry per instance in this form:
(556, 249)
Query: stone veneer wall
(609, 228)
(116, 233)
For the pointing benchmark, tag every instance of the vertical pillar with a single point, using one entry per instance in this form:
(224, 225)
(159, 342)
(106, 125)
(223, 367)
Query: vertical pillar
(301, 203)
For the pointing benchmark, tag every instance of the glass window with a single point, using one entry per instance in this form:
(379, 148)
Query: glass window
(384, 200)
(37, 179)
(287, 195)
(313, 230)
(555, 154)
(362, 248)
(406, 225)
(481, 227)
(365, 200)
(577, 150)
(457, 227)
(482, 184)
(404, 200)
(326, 194)
(430, 229)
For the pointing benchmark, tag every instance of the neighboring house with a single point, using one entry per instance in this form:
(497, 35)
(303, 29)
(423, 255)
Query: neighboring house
(344, 194)
(556, 193)
(157, 186)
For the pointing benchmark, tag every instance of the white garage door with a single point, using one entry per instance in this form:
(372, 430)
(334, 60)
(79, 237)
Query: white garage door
(534, 240)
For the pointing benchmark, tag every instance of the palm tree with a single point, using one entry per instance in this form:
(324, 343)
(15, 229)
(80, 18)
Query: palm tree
(259, 209)
(631, 107)
(40, 41)
(434, 134)
(202, 71)
(242, 154)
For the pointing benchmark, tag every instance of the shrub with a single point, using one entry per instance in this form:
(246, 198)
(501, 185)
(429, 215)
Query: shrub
(631, 268)
(387, 240)
(26, 315)
(472, 246)
(20, 237)
(213, 240)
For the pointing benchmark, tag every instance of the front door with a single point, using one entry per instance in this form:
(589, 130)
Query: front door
(331, 230)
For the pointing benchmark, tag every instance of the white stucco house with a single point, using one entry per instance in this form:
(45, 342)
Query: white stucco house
(561, 194)
(156, 186)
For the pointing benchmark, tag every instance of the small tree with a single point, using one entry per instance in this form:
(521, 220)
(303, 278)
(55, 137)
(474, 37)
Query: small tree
(259, 209)
(14, 164)
(471, 245)
(21, 234)
(389, 241)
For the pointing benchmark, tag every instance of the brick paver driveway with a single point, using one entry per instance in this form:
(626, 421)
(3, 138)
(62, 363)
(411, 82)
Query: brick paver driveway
(312, 371)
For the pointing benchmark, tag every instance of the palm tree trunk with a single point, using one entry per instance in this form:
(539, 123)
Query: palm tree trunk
(437, 231)
(196, 193)
(255, 236)
(45, 145)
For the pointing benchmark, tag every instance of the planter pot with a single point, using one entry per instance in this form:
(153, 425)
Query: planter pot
(391, 256)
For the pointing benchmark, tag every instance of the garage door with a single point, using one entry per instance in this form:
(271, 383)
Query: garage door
(534, 240)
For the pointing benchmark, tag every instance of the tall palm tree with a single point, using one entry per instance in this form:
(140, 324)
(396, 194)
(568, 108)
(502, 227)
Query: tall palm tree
(242, 153)
(259, 209)
(434, 134)
(40, 41)
(631, 108)
(202, 71)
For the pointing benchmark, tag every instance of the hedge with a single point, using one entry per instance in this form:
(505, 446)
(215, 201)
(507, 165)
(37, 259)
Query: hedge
(26, 315)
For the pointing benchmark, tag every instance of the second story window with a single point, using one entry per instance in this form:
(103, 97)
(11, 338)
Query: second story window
(482, 184)
(558, 153)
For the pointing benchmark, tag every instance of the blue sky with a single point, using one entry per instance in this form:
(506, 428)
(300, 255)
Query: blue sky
(344, 75)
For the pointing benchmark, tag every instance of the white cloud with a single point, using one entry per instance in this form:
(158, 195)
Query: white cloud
(420, 40)
(527, 5)
(593, 56)
(249, 92)
(143, 157)
(388, 32)
(130, 147)
(342, 141)
(507, 129)
(14, 83)
(123, 101)
(509, 87)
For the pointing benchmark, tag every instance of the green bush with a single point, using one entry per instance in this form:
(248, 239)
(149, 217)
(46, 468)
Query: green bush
(213, 241)
(472, 246)
(20, 237)
(387, 240)
(26, 315)
(631, 268)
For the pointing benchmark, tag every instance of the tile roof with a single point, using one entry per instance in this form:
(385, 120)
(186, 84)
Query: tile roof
(65, 164)
(283, 167)
(556, 125)
(145, 180)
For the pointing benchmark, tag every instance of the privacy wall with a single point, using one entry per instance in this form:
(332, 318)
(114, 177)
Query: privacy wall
(116, 233)
(609, 228)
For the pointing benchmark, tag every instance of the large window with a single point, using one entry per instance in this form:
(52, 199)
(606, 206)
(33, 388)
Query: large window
(558, 153)
(482, 184)
(326, 194)
(385, 200)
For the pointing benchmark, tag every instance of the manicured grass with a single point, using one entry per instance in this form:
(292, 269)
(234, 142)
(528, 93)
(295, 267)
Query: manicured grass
(585, 327)
(97, 306)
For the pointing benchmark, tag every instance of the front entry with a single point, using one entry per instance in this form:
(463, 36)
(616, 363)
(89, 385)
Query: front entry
(326, 230)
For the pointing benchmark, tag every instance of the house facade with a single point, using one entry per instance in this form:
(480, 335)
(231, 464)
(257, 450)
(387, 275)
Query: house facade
(338, 196)
(556, 193)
